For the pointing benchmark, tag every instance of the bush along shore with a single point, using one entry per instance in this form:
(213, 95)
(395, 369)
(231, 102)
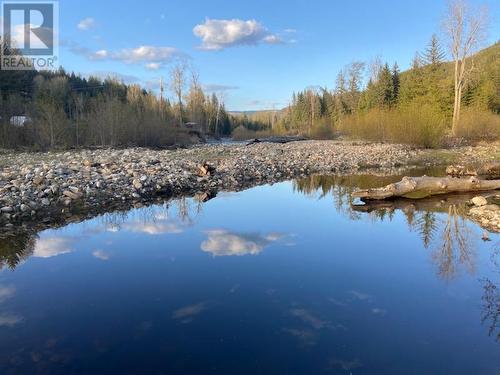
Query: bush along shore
(51, 187)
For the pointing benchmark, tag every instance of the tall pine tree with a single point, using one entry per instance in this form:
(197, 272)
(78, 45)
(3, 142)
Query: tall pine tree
(434, 54)
(396, 81)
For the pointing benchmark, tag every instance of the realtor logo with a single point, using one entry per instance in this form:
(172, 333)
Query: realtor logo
(29, 35)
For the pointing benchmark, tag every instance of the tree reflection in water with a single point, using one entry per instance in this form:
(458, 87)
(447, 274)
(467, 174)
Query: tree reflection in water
(15, 249)
(456, 241)
(19, 246)
(491, 299)
(457, 247)
(451, 238)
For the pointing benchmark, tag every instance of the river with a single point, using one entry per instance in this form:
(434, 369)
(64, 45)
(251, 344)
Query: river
(285, 278)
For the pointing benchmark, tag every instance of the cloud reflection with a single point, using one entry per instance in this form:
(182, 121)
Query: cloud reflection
(10, 320)
(153, 227)
(186, 314)
(225, 243)
(307, 336)
(6, 292)
(51, 246)
(102, 255)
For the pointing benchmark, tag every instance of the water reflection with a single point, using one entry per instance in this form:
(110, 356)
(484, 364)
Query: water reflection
(491, 299)
(224, 243)
(452, 237)
(16, 248)
(211, 279)
(188, 313)
(51, 246)
(440, 221)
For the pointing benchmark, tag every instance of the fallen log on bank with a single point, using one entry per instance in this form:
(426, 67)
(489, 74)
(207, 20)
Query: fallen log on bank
(282, 140)
(422, 187)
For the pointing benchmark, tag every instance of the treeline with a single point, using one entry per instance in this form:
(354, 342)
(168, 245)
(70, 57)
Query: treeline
(45, 110)
(258, 124)
(414, 106)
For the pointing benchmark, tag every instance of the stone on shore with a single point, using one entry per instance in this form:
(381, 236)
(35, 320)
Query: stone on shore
(479, 201)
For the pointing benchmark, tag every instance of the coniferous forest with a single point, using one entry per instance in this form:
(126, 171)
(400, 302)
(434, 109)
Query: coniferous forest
(414, 106)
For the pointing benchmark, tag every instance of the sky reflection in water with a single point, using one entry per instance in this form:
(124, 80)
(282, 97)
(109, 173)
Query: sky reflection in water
(277, 279)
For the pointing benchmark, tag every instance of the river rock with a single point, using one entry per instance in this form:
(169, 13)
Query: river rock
(137, 184)
(72, 195)
(479, 201)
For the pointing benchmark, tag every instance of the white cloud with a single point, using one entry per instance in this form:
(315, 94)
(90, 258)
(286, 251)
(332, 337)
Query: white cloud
(214, 87)
(153, 66)
(52, 246)
(146, 54)
(225, 243)
(151, 57)
(220, 34)
(101, 54)
(273, 39)
(86, 23)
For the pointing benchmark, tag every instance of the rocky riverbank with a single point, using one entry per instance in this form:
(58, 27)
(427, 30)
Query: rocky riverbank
(47, 187)
(39, 186)
(486, 212)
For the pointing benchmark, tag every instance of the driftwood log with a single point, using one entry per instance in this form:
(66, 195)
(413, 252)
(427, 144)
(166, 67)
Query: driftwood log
(422, 187)
(428, 204)
(285, 139)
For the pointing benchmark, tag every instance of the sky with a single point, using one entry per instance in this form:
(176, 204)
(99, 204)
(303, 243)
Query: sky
(256, 53)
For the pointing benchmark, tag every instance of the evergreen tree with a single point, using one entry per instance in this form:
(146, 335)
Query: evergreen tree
(386, 87)
(434, 54)
(396, 81)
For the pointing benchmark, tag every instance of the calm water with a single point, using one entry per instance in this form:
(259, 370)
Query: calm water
(277, 279)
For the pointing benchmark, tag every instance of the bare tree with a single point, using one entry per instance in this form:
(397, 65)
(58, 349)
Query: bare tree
(465, 29)
(220, 104)
(375, 68)
(355, 71)
(177, 84)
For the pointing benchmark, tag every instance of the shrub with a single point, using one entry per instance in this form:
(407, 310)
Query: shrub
(242, 134)
(478, 125)
(415, 125)
(322, 130)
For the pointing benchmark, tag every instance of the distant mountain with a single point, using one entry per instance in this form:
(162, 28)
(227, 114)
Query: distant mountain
(252, 113)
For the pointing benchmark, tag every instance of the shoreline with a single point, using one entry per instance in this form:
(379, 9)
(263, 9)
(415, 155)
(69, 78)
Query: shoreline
(46, 189)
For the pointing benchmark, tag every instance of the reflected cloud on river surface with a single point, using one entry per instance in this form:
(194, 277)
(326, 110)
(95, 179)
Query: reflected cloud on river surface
(225, 243)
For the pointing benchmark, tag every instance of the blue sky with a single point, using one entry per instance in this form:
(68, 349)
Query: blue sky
(272, 48)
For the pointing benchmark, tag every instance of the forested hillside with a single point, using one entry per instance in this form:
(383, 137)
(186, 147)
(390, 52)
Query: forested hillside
(414, 106)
